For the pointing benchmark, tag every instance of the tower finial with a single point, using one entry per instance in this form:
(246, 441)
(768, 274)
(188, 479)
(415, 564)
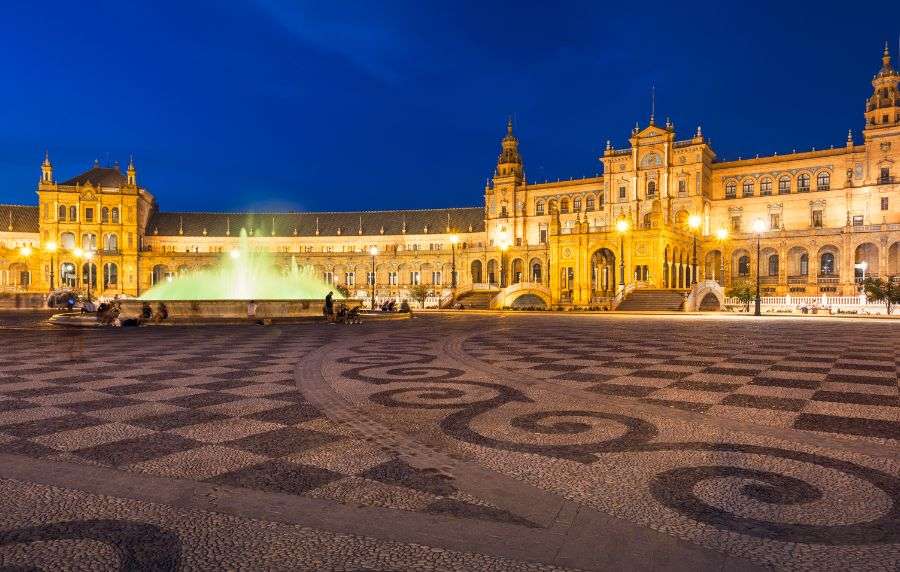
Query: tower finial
(652, 105)
(509, 125)
(886, 57)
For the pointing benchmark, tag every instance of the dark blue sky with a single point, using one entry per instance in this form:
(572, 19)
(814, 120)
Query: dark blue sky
(338, 105)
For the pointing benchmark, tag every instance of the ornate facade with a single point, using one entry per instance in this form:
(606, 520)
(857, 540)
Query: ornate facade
(822, 219)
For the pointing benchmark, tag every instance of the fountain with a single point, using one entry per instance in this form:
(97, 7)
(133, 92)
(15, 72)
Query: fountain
(224, 291)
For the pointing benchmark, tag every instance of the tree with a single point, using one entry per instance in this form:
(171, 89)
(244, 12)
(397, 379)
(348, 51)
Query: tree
(881, 290)
(743, 291)
(419, 292)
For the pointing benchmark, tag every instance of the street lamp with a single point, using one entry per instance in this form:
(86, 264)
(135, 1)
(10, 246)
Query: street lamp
(50, 247)
(25, 252)
(758, 227)
(503, 246)
(374, 252)
(694, 223)
(622, 228)
(454, 239)
(88, 256)
(722, 236)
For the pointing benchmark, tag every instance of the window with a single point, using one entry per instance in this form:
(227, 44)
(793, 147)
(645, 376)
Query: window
(823, 181)
(885, 176)
(826, 265)
(350, 278)
(89, 274)
(328, 278)
(110, 274)
(803, 183)
(744, 266)
(89, 241)
(104, 214)
(804, 265)
(539, 208)
(682, 187)
(774, 221)
(111, 243)
(503, 211)
(115, 215)
(622, 193)
(62, 213)
(730, 190)
(773, 265)
(735, 224)
(436, 277)
(392, 278)
(765, 187)
(589, 204)
(651, 189)
(73, 214)
(576, 204)
(602, 199)
(884, 203)
(748, 188)
(89, 214)
(414, 278)
(370, 278)
(817, 219)
(564, 206)
(857, 220)
(784, 185)
(543, 236)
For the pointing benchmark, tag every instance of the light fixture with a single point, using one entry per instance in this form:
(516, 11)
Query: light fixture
(235, 253)
(454, 239)
(50, 247)
(759, 226)
(622, 225)
(373, 251)
(694, 221)
(25, 251)
(722, 233)
(78, 253)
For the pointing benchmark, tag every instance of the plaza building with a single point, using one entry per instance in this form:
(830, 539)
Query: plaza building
(665, 213)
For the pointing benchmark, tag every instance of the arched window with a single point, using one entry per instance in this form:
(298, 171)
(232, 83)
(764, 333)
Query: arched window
(62, 213)
(104, 214)
(554, 208)
(773, 265)
(564, 206)
(823, 181)
(784, 185)
(67, 274)
(682, 187)
(589, 203)
(647, 220)
(765, 187)
(744, 266)
(503, 211)
(804, 265)
(602, 198)
(539, 208)
(67, 240)
(748, 188)
(111, 243)
(803, 183)
(115, 215)
(826, 264)
(89, 274)
(73, 214)
(110, 275)
(89, 241)
(651, 189)
(576, 204)
(730, 190)
(536, 272)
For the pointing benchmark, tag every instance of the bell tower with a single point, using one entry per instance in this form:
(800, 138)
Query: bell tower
(505, 193)
(883, 107)
(46, 170)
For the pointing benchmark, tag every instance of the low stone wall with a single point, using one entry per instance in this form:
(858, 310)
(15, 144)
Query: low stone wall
(22, 301)
(231, 309)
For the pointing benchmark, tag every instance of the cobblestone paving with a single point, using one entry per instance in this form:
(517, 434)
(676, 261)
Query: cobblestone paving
(677, 442)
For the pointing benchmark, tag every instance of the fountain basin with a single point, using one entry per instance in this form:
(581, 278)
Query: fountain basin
(231, 310)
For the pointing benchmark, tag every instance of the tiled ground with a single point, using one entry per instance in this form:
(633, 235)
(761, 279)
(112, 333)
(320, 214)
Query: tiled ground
(838, 378)
(212, 406)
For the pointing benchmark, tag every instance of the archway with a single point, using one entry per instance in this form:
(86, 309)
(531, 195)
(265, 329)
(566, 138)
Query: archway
(893, 261)
(865, 261)
(493, 275)
(529, 302)
(160, 273)
(476, 271)
(517, 271)
(713, 268)
(19, 275)
(536, 273)
(798, 263)
(67, 276)
(89, 274)
(665, 267)
(603, 273)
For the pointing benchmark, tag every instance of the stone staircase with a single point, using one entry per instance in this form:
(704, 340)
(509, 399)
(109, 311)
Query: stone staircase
(476, 300)
(652, 300)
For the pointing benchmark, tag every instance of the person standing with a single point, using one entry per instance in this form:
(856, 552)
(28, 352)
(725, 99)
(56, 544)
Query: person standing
(328, 310)
(251, 310)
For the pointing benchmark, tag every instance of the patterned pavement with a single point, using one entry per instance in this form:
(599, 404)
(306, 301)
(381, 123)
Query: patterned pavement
(514, 442)
(840, 379)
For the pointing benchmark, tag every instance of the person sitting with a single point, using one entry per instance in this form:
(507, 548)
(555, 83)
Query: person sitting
(353, 316)
(392, 306)
(341, 314)
(146, 311)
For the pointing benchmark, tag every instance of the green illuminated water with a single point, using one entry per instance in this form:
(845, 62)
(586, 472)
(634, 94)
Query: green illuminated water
(243, 274)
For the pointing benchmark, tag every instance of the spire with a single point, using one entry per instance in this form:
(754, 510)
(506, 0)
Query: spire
(849, 138)
(509, 163)
(653, 105)
(46, 169)
(131, 172)
(886, 57)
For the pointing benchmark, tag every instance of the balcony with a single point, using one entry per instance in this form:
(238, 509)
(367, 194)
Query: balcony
(828, 279)
(113, 252)
(768, 279)
(888, 180)
(823, 188)
(802, 279)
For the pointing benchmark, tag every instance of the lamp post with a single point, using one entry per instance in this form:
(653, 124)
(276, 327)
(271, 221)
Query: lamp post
(622, 228)
(50, 247)
(374, 252)
(694, 223)
(25, 252)
(454, 239)
(758, 227)
(88, 256)
(722, 236)
(503, 246)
